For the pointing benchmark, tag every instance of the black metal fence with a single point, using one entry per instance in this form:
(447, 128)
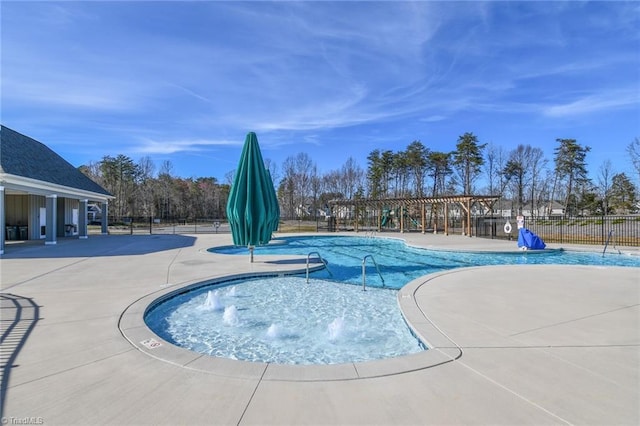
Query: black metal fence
(623, 230)
(150, 225)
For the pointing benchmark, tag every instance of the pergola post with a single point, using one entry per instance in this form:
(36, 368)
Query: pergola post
(464, 202)
(434, 215)
(446, 218)
(469, 217)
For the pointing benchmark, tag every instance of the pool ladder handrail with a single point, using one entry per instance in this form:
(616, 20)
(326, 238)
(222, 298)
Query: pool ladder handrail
(606, 244)
(364, 271)
(321, 260)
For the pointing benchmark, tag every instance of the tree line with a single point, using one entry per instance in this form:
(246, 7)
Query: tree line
(521, 176)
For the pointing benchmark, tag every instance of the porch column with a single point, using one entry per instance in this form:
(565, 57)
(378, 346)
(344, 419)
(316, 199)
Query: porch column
(105, 218)
(82, 220)
(2, 223)
(52, 212)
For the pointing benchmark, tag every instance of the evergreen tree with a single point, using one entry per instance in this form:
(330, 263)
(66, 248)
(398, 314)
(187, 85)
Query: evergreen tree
(623, 195)
(571, 165)
(468, 160)
(417, 158)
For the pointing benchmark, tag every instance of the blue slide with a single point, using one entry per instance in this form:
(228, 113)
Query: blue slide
(529, 240)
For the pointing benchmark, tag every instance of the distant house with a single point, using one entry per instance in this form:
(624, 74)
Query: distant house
(507, 209)
(42, 196)
(94, 213)
(544, 209)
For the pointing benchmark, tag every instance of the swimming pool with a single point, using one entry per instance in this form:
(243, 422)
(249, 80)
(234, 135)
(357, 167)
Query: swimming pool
(285, 320)
(400, 263)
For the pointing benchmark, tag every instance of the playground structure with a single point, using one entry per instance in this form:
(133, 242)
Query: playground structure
(425, 214)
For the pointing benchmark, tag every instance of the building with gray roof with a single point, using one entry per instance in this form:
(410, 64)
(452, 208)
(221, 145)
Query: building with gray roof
(42, 196)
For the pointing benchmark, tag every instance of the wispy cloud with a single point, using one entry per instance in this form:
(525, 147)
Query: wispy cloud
(175, 146)
(595, 103)
(168, 78)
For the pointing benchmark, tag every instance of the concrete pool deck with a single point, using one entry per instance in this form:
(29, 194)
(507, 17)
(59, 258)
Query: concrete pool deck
(520, 344)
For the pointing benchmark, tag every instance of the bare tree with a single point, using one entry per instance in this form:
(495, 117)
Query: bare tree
(605, 180)
(164, 195)
(537, 163)
(633, 149)
(145, 188)
(272, 168)
(494, 165)
(295, 186)
(352, 176)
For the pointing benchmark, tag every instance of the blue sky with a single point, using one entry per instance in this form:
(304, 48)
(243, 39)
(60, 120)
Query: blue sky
(185, 81)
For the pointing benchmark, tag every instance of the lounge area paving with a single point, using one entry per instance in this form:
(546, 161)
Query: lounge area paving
(521, 344)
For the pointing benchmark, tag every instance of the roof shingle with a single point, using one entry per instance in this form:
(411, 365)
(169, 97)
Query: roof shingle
(23, 156)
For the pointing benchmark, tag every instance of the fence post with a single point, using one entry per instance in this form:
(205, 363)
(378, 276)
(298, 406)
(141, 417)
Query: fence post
(602, 227)
(150, 225)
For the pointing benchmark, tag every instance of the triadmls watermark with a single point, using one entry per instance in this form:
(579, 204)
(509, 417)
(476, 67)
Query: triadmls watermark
(22, 420)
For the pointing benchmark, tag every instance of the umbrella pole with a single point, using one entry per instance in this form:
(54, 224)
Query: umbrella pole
(251, 253)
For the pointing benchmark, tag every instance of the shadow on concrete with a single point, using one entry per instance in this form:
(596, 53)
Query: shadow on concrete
(19, 318)
(98, 245)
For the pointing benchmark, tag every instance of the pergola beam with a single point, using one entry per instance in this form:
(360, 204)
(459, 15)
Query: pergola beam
(464, 201)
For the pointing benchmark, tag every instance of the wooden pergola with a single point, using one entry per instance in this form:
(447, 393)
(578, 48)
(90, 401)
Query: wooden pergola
(465, 202)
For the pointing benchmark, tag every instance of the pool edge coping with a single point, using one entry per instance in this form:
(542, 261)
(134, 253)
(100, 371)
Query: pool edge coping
(133, 328)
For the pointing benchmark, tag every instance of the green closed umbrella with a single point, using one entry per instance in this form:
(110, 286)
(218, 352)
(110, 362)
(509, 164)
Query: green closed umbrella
(252, 208)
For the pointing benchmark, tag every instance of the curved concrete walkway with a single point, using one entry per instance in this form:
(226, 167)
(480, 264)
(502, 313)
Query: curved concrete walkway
(511, 344)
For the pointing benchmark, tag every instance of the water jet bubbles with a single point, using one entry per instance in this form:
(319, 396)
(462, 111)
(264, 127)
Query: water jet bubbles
(230, 316)
(213, 302)
(336, 328)
(232, 292)
(274, 331)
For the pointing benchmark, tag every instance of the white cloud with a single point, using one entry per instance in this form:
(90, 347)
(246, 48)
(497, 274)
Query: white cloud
(149, 146)
(434, 118)
(594, 103)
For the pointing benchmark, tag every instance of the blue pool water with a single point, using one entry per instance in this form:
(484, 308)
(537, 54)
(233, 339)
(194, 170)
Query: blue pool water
(285, 320)
(400, 263)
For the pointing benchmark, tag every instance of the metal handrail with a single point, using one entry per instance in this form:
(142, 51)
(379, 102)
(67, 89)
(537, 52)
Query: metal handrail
(321, 260)
(607, 243)
(364, 271)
